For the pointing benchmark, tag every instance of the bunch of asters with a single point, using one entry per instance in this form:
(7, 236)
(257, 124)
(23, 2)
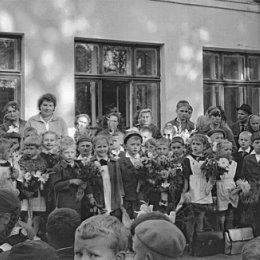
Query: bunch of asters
(215, 167)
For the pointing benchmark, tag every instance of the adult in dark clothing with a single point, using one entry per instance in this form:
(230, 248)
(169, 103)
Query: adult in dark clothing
(243, 112)
(12, 120)
(61, 226)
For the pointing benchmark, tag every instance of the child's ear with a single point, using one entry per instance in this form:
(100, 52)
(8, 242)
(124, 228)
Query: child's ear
(121, 255)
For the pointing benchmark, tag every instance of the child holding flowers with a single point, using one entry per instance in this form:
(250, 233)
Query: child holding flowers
(33, 169)
(227, 195)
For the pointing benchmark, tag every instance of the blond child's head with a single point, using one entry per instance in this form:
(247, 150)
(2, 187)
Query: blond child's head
(104, 236)
(146, 133)
(169, 131)
(150, 146)
(244, 139)
(101, 146)
(5, 149)
(224, 149)
(162, 146)
(49, 140)
(68, 152)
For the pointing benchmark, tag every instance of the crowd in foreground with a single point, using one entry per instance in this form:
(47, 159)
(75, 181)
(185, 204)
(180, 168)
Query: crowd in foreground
(198, 177)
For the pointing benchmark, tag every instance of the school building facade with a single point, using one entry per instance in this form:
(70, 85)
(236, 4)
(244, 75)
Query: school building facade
(130, 54)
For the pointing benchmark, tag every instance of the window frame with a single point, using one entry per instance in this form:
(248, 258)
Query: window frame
(17, 73)
(134, 77)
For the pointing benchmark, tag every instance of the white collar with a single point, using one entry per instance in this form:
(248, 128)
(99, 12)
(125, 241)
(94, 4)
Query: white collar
(245, 151)
(137, 156)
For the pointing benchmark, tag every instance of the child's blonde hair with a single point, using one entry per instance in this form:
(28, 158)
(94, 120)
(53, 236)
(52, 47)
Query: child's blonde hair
(50, 133)
(150, 141)
(245, 133)
(5, 146)
(221, 144)
(105, 226)
(65, 146)
(171, 128)
(200, 138)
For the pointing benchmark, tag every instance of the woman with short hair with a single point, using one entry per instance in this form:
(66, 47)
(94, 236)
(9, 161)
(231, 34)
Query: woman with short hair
(46, 120)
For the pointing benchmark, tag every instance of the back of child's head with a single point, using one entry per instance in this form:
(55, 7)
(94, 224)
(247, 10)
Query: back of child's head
(33, 141)
(200, 138)
(163, 141)
(61, 226)
(145, 129)
(29, 131)
(5, 146)
(178, 139)
(105, 226)
(251, 250)
(100, 138)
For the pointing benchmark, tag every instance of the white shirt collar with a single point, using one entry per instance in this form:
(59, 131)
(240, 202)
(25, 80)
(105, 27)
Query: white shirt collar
(247, 150)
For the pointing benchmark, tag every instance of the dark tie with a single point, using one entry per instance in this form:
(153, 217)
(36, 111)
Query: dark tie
(103, 162)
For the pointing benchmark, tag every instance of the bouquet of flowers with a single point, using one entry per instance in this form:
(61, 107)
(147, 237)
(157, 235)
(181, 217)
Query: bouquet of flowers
(215, 167)
(249, 191)
(34, 181)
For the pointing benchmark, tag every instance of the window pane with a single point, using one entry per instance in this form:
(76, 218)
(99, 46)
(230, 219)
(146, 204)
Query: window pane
(85, 98)
(8, 89)
(116, 60)
(234, 97)
(86, 58)
(9, 56)
(234, 67)
(146, 62)
(210, 66)
(253, 98)
(254, 68)
(146, 95)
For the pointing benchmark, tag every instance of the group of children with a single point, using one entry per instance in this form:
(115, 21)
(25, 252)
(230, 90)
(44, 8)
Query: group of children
(103, 174)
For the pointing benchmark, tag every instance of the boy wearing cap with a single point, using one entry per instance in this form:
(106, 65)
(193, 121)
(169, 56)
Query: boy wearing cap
(130, 168)
(251, 172)
(158, 239)
(85, 148)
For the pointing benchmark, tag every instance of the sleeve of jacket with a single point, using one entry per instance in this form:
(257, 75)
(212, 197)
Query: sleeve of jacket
(57, 181)
(119, 179)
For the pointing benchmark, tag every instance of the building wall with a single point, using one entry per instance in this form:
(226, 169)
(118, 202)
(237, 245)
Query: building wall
(49, 29)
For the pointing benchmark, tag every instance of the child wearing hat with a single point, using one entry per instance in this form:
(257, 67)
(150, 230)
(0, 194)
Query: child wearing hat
(251, 172)
(84, 148)
(131, 170)
(102, 237)
(158, 239)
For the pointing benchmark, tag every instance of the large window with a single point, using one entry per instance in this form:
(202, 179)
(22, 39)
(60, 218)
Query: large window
(10, 69)
(230, 79)
(110, 75)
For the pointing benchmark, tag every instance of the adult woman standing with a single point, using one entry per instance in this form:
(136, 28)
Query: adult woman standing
(46, 120)
(12, 120)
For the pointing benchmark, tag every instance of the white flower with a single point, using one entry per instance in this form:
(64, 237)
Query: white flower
(164, 174)
(38, 174)
(214, 146)
(144, 208)
(223, 163)
(165, 185)
(244, 186)
(97, 164)
(27, 176)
